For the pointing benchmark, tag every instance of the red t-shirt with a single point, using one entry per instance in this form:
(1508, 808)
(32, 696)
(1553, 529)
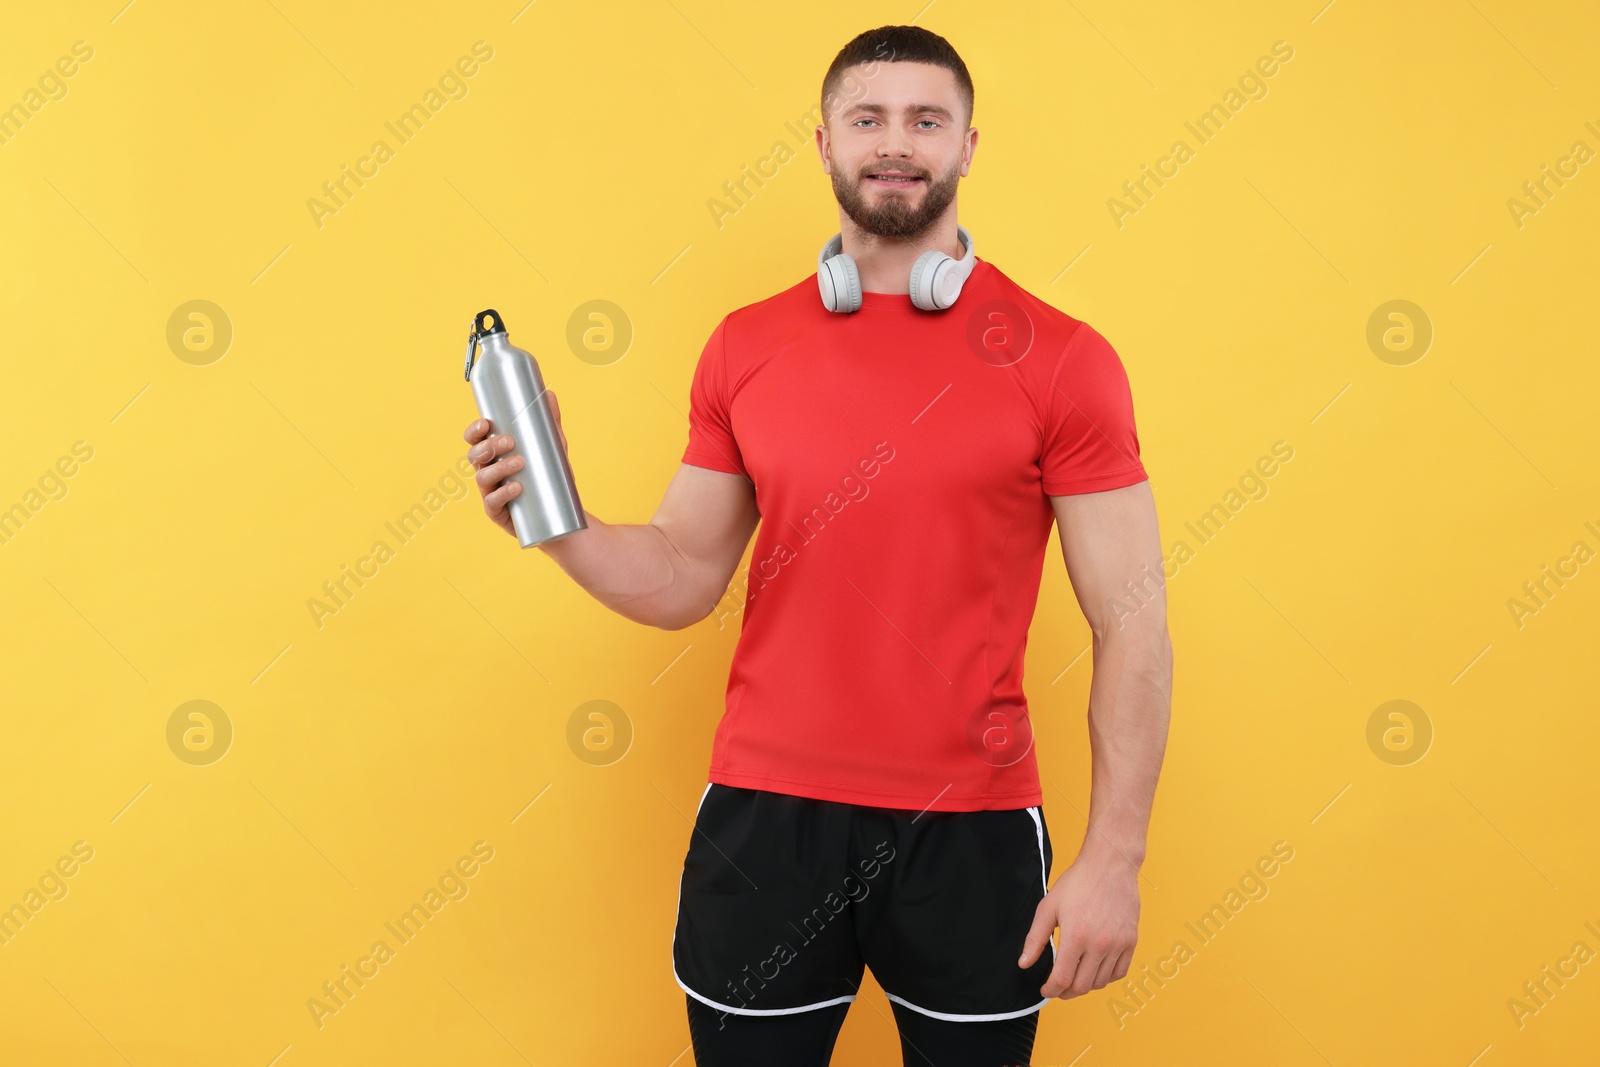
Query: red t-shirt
(903, 462)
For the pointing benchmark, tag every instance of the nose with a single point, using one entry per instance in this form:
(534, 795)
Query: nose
(895, 142)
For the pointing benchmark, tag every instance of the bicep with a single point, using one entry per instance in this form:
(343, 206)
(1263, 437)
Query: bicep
(708, 515)
(1108, 539)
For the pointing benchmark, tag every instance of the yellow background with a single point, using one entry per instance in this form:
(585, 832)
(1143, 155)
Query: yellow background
(371, 752)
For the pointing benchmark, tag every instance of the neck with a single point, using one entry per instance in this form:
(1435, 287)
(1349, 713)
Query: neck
(884, 263)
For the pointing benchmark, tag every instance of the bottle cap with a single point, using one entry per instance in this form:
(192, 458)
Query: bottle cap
(479, 330)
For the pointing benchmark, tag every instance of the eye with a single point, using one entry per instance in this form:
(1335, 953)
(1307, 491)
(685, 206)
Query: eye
(930, 122)
(858, 122)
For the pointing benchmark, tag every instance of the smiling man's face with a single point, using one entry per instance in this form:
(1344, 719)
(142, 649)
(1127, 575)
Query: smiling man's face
(897, 149)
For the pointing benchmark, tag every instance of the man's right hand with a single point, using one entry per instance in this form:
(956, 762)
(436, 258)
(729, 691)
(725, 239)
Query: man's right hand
(670, 572)
(494, 470)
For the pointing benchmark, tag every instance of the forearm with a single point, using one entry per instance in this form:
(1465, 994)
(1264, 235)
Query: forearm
(635, 570)
(1130, 704)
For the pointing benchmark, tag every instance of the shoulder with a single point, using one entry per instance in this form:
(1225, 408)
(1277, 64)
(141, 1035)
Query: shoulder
(1057, 338)
(1049, 322)
(774, 317)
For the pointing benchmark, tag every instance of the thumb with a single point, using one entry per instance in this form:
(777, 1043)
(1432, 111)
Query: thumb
(1044, 921)
(555, 412)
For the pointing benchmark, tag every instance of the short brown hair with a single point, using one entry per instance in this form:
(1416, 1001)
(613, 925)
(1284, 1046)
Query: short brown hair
(895, 44)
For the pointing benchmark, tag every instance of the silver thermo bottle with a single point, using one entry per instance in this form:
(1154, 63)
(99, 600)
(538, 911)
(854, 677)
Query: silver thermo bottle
(511, 394)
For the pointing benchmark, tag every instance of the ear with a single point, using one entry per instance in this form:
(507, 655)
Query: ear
(972, 146)
(823, 150)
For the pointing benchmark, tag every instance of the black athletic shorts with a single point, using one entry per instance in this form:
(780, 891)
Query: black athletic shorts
(785, 900)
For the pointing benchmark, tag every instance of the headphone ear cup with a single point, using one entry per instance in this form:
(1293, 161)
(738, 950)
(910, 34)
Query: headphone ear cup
(840, 284)
(926, 275)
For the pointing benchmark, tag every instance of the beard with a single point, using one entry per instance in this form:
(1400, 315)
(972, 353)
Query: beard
(896, 214)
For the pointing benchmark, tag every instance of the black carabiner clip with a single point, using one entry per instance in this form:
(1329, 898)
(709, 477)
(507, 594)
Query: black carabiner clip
(478, 330)
(472, 345)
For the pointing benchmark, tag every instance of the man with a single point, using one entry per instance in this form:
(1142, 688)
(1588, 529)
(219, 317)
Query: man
(874, 797)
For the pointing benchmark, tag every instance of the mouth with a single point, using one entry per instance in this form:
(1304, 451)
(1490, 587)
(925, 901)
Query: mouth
(893, 180)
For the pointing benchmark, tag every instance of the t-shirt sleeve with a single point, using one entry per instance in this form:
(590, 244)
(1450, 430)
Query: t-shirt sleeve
(711, 440)
(1090, 443)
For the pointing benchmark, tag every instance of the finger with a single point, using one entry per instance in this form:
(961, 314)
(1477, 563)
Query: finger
(1044, 921)
(494, 505)
(475, 431)
(482, 451)
(1083, 981)
(1124, 961)
(491, 476)
(1108, 967)
(556, 411)
(485, 452)
(1059, 984)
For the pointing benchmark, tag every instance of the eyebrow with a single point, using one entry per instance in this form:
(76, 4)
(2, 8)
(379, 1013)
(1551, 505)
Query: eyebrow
(879, 109)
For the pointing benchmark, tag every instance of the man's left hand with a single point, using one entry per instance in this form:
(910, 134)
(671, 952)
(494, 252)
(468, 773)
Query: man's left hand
(1095, 903)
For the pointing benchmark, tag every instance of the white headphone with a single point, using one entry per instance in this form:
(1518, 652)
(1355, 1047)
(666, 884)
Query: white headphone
(936, 279)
